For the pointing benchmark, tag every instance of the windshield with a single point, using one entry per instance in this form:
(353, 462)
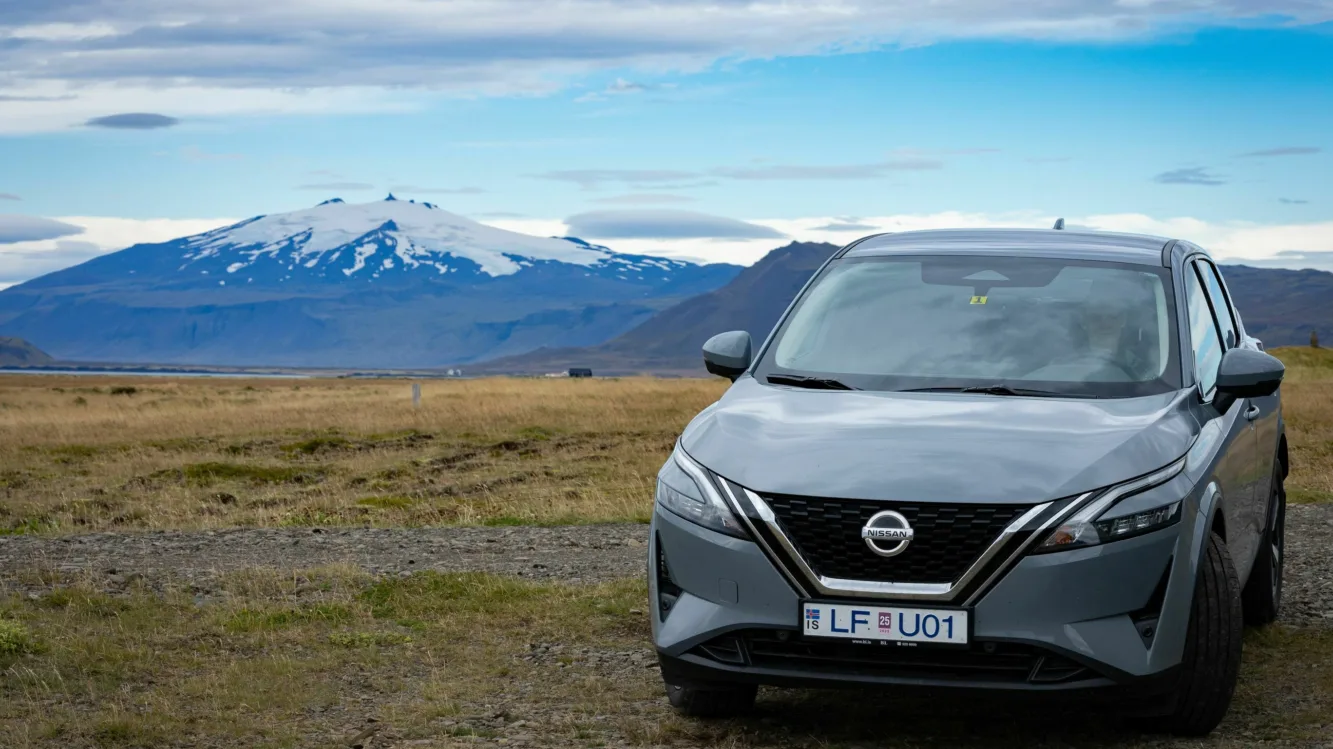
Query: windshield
(1069, 327)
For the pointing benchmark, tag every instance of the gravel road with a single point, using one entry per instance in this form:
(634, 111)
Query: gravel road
(577, 554)
(573, 553)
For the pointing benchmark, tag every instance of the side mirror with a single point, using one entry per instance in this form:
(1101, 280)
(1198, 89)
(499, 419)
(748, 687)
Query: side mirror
(728, 354)
(1246, 374)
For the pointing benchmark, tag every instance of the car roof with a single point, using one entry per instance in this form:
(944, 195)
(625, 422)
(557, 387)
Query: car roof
(1061, 243)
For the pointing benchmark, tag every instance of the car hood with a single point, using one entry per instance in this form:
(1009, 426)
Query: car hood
(934, 447)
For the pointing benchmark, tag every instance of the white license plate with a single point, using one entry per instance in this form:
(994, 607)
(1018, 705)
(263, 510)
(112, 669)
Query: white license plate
(884, 623)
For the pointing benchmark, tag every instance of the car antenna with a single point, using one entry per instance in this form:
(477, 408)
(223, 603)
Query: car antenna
(1059, 224)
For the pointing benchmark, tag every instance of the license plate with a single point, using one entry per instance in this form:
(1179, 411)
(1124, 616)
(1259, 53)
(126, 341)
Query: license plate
(884, 623)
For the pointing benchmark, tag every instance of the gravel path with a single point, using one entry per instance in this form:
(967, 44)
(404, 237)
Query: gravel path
(572, 553)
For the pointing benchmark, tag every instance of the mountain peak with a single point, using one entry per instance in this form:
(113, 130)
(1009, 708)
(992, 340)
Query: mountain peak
(386, 235)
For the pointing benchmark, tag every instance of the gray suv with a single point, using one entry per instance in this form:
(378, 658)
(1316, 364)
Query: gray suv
(1001, 459)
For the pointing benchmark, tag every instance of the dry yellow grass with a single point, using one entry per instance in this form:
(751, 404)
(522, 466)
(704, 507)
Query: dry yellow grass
(77, 455)
(80, 454)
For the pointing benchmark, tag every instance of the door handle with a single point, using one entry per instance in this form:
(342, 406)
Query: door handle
(1252, 412)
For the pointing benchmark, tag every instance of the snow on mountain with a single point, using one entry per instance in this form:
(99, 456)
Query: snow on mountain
(368, 239)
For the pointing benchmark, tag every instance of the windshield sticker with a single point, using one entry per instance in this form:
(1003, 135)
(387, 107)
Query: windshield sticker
(978, 300)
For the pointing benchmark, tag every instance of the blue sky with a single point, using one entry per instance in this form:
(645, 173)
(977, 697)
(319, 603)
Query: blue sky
(653, 123)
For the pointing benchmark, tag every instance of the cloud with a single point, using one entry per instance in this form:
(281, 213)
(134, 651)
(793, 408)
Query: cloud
(1284, 151)
(15, 228)
(620, 87)
(645, 199)
(840, 171)
(1294, 259)
(335, 186)
(9, 196)
(23, 260)
(133, 121)
(592, 178)
(664, 224)
(837, 226)
(1229, 241)
(436, 190)
(259, 56)
(1292, 201)
(1195, 175)
(9, 98)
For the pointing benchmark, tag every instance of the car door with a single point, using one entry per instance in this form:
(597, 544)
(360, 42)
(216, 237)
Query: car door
(1236, 459)
(1261, 413)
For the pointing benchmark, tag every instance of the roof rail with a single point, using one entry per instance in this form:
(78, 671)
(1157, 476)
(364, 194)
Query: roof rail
(1059, 224)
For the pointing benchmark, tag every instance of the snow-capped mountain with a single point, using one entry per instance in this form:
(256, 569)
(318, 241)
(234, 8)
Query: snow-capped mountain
(366, 241)
(392, 283)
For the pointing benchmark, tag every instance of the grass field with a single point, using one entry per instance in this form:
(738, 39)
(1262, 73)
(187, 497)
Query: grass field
(308, 658)
(80, 454)
(297, 658)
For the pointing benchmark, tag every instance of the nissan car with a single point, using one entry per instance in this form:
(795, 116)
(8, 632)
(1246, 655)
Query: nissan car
(1038, 460)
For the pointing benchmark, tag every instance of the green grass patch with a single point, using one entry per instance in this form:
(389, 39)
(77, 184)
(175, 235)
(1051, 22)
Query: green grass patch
(127, 732)
(207, 474)
(259, 620)
(29, 525)
(367, 639)
(1308, 496)
(15, 639)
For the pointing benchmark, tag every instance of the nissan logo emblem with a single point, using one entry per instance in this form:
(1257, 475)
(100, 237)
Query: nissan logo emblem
(887, 533)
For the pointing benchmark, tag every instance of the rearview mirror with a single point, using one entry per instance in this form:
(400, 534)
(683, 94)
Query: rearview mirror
(728, 354)
(1246, 374)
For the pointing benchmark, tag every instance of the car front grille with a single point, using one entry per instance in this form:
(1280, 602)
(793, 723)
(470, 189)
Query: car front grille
(980, 662)
(948, 537)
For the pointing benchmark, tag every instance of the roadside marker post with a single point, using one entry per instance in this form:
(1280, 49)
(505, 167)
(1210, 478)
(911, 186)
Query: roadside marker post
(416, 395)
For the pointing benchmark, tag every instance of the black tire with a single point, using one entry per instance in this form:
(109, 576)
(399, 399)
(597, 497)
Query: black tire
(1212, 649)
(720, 701)
(1262, 598)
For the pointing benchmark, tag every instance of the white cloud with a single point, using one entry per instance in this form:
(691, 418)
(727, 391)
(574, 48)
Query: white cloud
(1229, 241)
(69, 60)
(21, 261)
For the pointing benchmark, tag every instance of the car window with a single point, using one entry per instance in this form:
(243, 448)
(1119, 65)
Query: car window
(1221, 306)
(1203, 332)
(1085, 328)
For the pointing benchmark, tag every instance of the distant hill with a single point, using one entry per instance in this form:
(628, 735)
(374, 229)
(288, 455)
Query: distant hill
(670, 340)
(386, 284)
(1279, 306)
(16, 352)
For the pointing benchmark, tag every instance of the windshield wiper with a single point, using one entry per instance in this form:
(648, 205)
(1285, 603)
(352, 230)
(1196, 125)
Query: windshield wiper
(814, 383)
(997, 389)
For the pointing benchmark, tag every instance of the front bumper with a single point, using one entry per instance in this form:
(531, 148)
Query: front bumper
(1105, 616)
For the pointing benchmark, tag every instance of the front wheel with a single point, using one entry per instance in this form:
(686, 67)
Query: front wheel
(1262, 598)
(1212, 649)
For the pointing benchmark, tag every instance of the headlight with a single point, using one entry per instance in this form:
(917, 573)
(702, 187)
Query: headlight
(1100, 521)
(684, 489)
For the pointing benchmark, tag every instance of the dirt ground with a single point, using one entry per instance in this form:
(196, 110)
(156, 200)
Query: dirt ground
(371, 631)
